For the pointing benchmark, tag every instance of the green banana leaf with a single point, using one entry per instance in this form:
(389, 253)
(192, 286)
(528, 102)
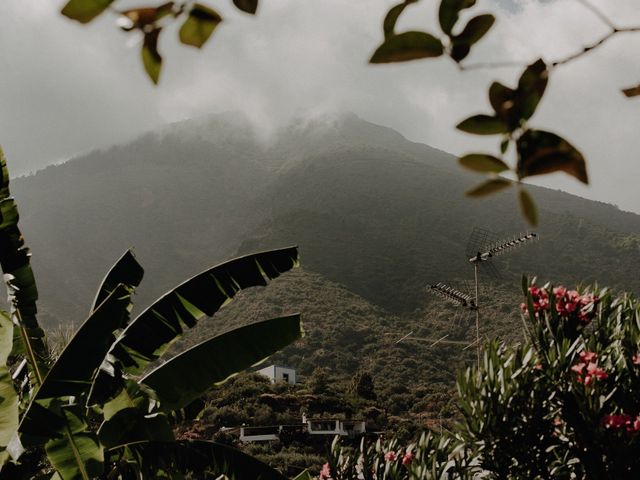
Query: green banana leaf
(21, 285)
(203, 459)
(189, 375)
(131, 425)
(76, 453)
(126, 271)
(154, 330)
(9, 441)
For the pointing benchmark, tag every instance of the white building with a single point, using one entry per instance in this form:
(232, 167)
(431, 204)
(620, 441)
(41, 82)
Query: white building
(278, 373)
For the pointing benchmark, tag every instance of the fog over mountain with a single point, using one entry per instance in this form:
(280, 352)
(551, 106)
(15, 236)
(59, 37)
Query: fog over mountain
(370, 210)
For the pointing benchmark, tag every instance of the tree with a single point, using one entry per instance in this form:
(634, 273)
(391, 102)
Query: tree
(98, 409)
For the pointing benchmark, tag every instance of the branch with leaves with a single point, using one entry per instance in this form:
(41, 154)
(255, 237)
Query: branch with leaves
(538, 152)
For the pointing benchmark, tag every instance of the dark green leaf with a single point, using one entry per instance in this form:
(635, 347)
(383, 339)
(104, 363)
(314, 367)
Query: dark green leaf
(501, 99)
(392, 16)
(488, 187)
(153, 331)
(126, 271)
(199, 25)
(459, 51)
(76, 453)
(481, 162)
(541, 152)
(504, 145)
(475, 29)
(197, 456)
(133, 425)
(531, 87)
(85, 10)
(151, 59)
(483, 125)
(528, 207)
(632, 91)
(407, 46)
(449, 11)
(249, 6)
(74, 369)
(189, 375)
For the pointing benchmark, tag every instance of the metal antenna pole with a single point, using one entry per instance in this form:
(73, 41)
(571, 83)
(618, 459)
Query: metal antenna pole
(475, 271)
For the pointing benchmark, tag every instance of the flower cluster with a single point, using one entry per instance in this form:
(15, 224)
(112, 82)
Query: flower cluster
(325, 473)
(392, 456)
(568, 303)
(622, 420)
(587, 369)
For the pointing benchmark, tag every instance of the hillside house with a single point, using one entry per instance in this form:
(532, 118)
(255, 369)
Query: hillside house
(279, 373)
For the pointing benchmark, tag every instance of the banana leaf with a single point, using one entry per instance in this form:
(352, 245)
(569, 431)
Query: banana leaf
(203, 459)
(189, 375)
(149, 335)
(126, 271)
(9, 441)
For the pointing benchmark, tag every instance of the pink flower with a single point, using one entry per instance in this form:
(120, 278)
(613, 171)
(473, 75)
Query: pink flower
(407, 459)
(325, 472)
(636, 359)
(616, 421)
(390, 456)
(587, 356)
(578, 367)
(636, 424)
(523, 308)
(594, 371)
(559, 291)
(537, 366)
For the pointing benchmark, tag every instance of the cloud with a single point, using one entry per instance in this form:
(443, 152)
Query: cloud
(68, 88)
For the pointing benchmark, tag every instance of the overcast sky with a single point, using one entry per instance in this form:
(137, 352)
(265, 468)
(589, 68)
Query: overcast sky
(67, 88)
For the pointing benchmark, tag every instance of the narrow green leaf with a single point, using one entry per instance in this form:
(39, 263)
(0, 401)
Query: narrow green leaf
(304, 476)
(392, 16)
(155, 329)
(151, 59)
(504, 145)
(483, 125)
(528, 207)
(481, 162)
(126, 271)
(8, 397)
(189, 375)
(197, 457)
(476, 29)
(488, 187)
(85, 10)
(541, 152)
(631, 91)
(199, 25)
(407, 46)
(449, 11)
(249, 6)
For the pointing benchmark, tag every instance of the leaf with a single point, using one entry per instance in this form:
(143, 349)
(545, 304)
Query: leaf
(407, 46)
(196, 456)
(541, 152)
(189, 375)
(8, 398)
(449, 11)
(249, 6)
(145, 18)
(459, 51)
(154, 330)
(483, 125)
(305, 475)
(74, 369)
(631, 91)
(504, 145)
(126, 271)
(85, 10)
(528, 207)
(531, 87)
(132, 425)
(392, 16)
(151, 59)
(476, 29)
(199, 25)
(76, 454)
(501, 99)
(481, 162)
(21, 286)
(488, 187)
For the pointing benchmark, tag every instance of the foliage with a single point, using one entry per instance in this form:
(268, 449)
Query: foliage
(91, 413)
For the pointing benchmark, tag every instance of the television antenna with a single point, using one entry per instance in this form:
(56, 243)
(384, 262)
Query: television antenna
(481, 248)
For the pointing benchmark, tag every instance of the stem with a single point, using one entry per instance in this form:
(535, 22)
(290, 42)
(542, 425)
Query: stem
(30, 353)
(475, 271)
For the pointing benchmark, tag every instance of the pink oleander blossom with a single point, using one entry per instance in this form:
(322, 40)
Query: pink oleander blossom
(390, 456)
(325, 473)
(407, 459)
(636, 359)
